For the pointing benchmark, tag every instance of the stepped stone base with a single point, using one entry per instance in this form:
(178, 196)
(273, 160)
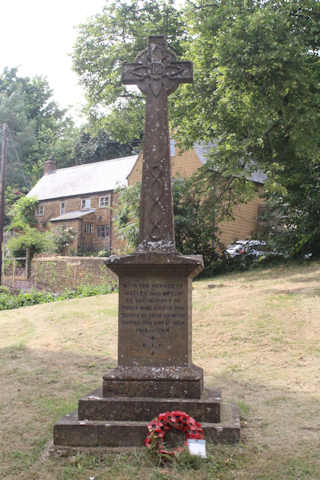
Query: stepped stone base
(96, 407)
(158, 382)
(103, 422)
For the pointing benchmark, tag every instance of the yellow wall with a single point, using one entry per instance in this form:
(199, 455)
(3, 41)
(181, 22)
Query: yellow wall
(244, 224)
(182, 166)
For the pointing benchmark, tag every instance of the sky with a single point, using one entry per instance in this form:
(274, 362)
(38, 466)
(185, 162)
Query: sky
(37, 36)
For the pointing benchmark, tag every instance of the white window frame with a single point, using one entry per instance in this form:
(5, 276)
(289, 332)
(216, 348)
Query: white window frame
(88, 228)
(62, 208)
(40, 211)
(104, 201)
(85, 203)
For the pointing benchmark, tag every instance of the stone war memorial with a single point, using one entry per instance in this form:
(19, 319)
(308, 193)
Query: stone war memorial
(155, 373)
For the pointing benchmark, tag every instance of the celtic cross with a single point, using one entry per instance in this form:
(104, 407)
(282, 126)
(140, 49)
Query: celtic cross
(157, 74)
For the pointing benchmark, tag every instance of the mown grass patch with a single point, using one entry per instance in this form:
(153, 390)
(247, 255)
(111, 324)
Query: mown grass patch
(260, 346)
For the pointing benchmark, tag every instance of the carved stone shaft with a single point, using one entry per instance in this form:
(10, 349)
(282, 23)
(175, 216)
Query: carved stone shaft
(157, 74)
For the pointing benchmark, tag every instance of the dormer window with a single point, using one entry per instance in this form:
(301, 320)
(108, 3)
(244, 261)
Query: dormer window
(40, 211)
(85, 203)
(104, 201)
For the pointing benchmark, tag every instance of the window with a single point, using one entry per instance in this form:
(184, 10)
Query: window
(40, 211)
(85, 203)
(62, 208)
(102, 231)
(88, 227)
(104, 201)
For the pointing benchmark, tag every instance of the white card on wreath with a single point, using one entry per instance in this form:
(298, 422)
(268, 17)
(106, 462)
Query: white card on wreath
(197, 447)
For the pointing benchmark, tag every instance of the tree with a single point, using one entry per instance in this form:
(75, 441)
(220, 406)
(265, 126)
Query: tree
(104, 43)
(256, 96)
(200, 203)
(26, 235)
(126, 215)
(91, 146)
(38, 128)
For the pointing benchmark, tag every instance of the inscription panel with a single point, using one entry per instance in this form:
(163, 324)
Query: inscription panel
(153, 321)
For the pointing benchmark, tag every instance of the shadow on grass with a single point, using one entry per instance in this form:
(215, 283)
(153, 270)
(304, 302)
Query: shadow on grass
(306, 291)
(280, 428)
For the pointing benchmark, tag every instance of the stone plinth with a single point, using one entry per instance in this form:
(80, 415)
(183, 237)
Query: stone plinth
(159, 382)
(97, 433)
(155, 328)
(155, 372)
(97, 407)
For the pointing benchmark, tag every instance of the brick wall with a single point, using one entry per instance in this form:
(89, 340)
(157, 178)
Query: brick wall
(56, 273)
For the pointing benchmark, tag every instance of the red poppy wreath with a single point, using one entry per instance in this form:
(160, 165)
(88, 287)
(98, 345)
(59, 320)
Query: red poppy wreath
(176, 420)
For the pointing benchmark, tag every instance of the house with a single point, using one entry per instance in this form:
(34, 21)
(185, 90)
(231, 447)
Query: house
(183, 165)
(79, 198)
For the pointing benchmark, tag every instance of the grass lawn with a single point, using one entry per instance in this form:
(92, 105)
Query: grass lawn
(257, 336)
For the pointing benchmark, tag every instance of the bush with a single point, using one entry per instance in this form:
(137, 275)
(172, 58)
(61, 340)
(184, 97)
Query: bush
(63, 238)
(240, 263)
(33, 239)
(4, 289)
(8, 301)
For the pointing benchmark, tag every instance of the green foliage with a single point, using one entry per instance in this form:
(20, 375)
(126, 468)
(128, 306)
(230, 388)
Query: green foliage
(256, 96)
(38, 128)
(63, 238)
(23, 213)
(126, 215)
(200, 203)
(4, 289)
(12, 195)
(91, 146)
(33, 239)
(22, 223)
(8, 301)
(116, 35)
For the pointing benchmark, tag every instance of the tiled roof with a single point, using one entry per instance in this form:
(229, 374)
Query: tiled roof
(203, 150)
(73, 215)
(84, 179)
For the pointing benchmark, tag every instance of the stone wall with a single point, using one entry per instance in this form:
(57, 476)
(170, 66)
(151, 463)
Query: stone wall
(56, 273)
(83, 240)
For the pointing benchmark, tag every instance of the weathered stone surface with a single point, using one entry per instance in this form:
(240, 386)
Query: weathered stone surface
(155, 327)
(96, 407)
(157, 73)
(71, 432)
(155, 371)
(159, 382)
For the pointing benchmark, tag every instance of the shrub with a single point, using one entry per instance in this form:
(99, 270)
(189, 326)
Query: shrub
(63, 238)
(33, 239)
(8, 301)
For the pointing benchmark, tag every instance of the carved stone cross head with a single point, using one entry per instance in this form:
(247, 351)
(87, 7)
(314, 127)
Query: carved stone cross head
(156, 69)
(157, 73)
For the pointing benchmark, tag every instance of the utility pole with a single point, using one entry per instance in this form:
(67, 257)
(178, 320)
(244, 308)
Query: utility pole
(3, 168)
